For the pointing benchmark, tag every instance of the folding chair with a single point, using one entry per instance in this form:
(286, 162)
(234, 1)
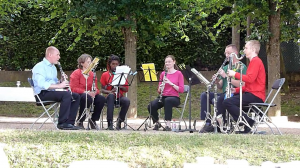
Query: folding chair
(52, 115)
(181, 108)
(116, 107)
(261, 109)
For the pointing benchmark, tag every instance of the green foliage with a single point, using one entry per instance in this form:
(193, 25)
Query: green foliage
(259, 12)
(27, 35)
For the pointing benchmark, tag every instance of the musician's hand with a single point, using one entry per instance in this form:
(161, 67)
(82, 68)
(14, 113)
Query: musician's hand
(114, 89)
(166, 80)
(64, 84)
(63, 77)
(232, 90)
(222, 73)
(92, 94)
(231, 73)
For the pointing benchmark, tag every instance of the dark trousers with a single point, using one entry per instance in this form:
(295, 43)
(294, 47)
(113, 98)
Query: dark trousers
(68, 108)
(220, 107)
(99, 102)
(168, 103)
(233, 105)
(111, 101)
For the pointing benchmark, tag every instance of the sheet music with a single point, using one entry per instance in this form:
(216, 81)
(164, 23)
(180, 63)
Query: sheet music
(118, 73)
(147, 73)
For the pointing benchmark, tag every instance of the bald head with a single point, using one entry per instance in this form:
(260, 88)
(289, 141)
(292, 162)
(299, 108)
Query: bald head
(52, 54)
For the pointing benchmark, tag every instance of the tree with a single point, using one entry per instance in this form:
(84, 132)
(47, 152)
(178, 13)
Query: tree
(126, 18)
(274, 21)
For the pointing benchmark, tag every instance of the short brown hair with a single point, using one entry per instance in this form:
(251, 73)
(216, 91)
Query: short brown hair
(82, 59)
(173, 58)
(255, 45)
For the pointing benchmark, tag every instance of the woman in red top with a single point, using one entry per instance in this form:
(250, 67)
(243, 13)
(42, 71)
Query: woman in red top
(78, 85)
(112, 99)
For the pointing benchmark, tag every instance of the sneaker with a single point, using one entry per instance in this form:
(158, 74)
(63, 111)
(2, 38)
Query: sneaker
(80, 125)
(247, 129)
(207, 128)
(157, 126)
(167, 128)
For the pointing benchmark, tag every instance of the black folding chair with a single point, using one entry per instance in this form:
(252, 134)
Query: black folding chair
(50, 112)
(261, 109)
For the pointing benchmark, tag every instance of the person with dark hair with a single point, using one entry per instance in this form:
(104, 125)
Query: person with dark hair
(44, 76)
(221, 82)
(78, 84)
(112, 99)
(170, 85)
(254, 90)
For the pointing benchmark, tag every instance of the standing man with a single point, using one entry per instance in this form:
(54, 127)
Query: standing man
(254, 90)
(44, 75)
(221, 84)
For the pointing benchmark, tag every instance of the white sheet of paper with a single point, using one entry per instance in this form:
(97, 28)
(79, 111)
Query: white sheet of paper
(117, 75)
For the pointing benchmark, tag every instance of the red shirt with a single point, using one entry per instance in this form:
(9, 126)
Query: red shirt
(77, 82)
(255, 79)
(106, 80)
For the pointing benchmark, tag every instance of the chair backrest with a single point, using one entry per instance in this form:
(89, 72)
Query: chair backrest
(186, 88)
(276, 86)
(30, 81)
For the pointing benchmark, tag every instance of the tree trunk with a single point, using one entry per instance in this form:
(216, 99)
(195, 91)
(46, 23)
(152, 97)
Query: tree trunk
(236, 33)
(130, 60)
(285, 86)
(248, 34)
(273, 54)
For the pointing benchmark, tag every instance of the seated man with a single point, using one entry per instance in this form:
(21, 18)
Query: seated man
(222, 84)
(44, 76)
(254, 90)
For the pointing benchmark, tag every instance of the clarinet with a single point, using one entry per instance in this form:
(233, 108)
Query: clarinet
(163, 85)
(93, 89)
(65, 79)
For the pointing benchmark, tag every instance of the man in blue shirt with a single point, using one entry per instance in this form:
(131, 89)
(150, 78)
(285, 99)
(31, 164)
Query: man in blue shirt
(44, 75)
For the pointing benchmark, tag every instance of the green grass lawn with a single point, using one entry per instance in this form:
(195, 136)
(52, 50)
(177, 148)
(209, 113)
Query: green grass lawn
(59, 148)
(289, 106)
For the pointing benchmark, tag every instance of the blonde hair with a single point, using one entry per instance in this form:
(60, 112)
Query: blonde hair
(255, 45)
(82, 59)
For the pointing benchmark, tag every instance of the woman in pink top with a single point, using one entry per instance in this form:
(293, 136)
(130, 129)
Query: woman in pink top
(172, 84)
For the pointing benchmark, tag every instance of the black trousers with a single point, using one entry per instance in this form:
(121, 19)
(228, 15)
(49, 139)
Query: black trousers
(233, 105)
(99, 102)
(220, 107)
(168, 102)
(68, 108)
(111, 101)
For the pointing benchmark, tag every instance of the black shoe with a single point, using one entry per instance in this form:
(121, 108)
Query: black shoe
(66, 126)
(119, 121)
(207, 128)
(110, 125)
(93, 124)
(157, 126)
(80, 125)
(167, 128)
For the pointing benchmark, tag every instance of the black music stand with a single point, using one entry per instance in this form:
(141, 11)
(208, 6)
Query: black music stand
(149, 72)
(193, 80)
(117, 80)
